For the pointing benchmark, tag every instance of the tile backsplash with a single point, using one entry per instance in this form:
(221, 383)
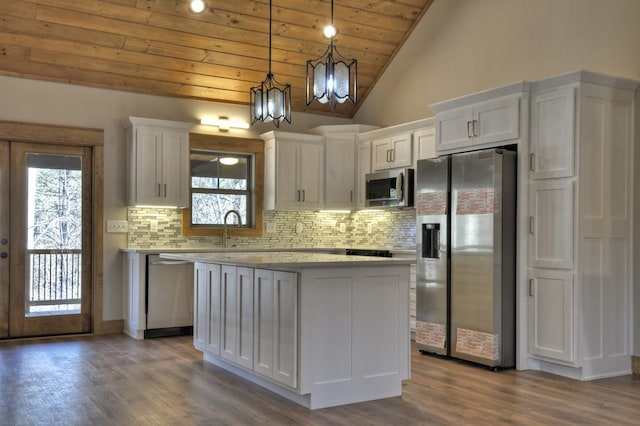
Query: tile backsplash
(162, 227)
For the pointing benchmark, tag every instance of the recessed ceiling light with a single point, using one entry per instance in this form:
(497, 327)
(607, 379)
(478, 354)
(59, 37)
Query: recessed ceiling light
(197, 6)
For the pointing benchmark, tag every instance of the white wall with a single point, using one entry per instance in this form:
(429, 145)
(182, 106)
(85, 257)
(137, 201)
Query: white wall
(465, 46)
(60, 104)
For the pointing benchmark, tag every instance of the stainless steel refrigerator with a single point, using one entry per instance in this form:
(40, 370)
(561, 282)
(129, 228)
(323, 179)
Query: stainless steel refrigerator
(466, 218)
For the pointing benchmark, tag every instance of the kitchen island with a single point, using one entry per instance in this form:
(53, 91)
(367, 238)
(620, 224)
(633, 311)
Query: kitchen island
(320, 329)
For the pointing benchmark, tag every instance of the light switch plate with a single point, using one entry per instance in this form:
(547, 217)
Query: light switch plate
(117, 226)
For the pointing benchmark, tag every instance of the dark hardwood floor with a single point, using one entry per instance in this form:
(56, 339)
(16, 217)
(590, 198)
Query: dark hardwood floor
(114, 380)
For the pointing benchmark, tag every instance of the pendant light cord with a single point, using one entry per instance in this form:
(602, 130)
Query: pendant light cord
(270, 19)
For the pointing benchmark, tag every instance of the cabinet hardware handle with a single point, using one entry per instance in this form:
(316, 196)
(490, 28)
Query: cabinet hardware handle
(475, 128)
(468, 129)
(531, 225)
(388, 156)
(531, 287)
(304, 195)
(298, 195)
(159, 193)
(351, 195)
(165, 190)
(393, 155)
(532, 162)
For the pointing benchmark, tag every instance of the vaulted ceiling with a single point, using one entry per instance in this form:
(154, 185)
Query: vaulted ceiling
(159, 47)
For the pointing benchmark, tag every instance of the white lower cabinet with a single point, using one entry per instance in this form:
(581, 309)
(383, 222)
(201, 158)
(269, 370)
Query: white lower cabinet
(276, 325)
(237, 315)
(206, 330)
(249, 317)
(551, 312)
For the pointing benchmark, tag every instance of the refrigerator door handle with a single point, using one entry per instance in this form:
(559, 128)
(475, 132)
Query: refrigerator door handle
(531, 287)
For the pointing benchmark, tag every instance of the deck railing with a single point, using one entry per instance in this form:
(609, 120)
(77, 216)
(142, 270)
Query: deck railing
(55, 278)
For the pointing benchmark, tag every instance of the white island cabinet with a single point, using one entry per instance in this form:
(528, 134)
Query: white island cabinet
(320, 329)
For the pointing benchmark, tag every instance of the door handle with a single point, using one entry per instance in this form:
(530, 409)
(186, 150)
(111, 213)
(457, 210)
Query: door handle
(469, 129)
(531, 225)
(4, 255)
(532, 162)
(531, 287)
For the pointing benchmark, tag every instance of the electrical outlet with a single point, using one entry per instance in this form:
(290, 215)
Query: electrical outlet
(299, 227)
(117, 226)
(343, 227)
(153, 226)
(271, 228)
(369, 228)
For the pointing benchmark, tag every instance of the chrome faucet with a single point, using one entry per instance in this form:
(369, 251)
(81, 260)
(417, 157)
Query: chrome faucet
(225, 235)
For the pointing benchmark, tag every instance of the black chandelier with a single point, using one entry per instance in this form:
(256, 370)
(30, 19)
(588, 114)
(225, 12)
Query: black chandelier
(270, 101)
(332, 77)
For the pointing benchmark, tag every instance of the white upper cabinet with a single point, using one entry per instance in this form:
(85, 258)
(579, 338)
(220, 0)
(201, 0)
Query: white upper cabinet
(158, 162)
(364, 167)
(424, 143)
(391, 152)
(481, 120)
(294, 171)
(340, 164)
(553, 133)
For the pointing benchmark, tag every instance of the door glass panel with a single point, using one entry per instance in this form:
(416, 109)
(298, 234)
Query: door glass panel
(54, 234)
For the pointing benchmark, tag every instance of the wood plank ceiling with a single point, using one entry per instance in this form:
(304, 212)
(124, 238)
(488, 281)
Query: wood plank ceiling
(159, 47)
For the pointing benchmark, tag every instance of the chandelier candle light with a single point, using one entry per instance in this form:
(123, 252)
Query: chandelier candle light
(270, 101)
(332, 78)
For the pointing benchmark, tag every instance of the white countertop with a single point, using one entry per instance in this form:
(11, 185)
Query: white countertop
(287, 259)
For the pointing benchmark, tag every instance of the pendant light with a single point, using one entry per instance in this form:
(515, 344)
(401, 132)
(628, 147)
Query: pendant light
(332, 78)
(270, 101)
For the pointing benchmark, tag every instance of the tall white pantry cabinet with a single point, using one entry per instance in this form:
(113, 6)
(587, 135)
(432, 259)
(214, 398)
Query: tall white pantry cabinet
(580, 225)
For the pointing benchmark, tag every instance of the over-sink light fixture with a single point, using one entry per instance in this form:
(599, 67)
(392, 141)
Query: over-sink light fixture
(270, 101)
(224, 123)
(332, 77)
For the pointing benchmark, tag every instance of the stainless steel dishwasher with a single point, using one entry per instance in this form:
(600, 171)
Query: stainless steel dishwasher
(169, 297)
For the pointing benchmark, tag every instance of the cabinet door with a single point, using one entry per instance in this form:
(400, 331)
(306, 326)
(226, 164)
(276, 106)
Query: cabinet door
(496, 120)
(285, 323)
(214, 309)
(425, 143)
(244, 322)
(551, 224)
(263, 322)
(228, 315)
(364, 167)
(200, 306)
(175, 168)
(147, 155)
(551, 328)
(311, 169)
(340, 161)
(401, 150)
(453, 129)
(380, 154)
(287, 164)
(552, 134)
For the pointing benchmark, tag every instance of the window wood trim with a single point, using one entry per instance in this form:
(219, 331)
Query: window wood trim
(230, 144)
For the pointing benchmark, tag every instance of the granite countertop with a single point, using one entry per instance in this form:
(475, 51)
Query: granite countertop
(287, 259)
(397, 251)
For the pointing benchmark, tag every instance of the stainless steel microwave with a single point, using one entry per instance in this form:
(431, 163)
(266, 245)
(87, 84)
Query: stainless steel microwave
(389, 188)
